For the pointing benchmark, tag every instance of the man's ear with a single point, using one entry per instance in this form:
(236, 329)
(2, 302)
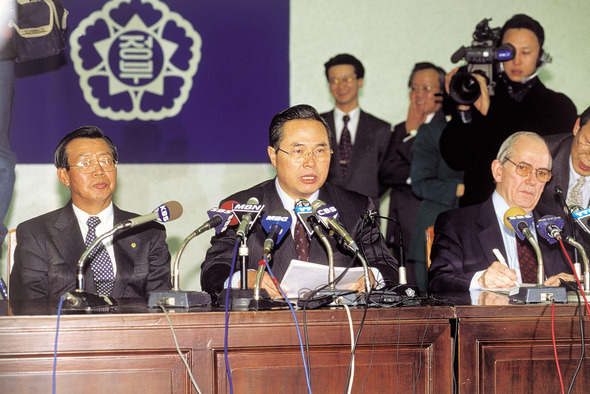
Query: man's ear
(272, 154)
(497, 169)
(360, 82)
(577, 126)
(63, 176)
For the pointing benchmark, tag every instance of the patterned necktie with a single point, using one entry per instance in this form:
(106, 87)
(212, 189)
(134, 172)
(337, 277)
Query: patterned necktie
(100, 262)
(345, 148)
(574, 196)
(527, 261)
(301, 242)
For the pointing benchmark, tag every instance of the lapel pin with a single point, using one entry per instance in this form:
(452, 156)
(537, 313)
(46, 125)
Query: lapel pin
(133, 245)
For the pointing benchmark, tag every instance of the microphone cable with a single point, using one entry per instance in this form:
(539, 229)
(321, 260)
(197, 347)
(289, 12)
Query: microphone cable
(53, 379)
(226, 328)
(554, 343)
(188, 368)
(582, 336)
(296, 325)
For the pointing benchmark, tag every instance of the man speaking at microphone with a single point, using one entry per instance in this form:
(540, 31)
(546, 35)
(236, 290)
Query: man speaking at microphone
(300, 147)
(462, 253)
(134, 262)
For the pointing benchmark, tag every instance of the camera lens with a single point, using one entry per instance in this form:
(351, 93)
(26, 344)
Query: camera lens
(464, 88)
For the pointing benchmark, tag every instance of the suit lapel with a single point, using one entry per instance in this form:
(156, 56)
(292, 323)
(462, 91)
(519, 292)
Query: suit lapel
(70, 243)
(489, 235)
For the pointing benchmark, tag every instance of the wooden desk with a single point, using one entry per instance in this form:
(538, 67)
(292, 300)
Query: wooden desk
(508, 349)
(135, 352)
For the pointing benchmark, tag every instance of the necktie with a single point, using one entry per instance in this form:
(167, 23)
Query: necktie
(574, 196)
(345, 147)
(100, 262)
(301, 242)
(527, 261)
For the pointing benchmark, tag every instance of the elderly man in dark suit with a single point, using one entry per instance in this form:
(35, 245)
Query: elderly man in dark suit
(462, 253)
(571, 167)
(128, 265)
(361, 138)
(300, 150)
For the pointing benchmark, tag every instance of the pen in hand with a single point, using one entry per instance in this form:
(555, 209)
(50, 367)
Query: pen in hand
(501, 259)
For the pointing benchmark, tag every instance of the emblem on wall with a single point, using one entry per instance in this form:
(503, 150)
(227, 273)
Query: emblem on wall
(136, 59)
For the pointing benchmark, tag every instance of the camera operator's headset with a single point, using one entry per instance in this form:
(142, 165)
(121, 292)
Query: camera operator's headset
(544, 58)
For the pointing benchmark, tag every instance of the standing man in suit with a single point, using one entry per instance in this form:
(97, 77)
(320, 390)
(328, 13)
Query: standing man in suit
(571, 167)
(361, 138)
(462, 257)
(128, 265)
(300, 148)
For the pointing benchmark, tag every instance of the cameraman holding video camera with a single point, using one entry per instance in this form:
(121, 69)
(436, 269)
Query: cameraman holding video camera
(508, 100)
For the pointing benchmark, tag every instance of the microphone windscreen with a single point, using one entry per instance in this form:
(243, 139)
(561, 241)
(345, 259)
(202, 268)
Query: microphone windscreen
(229, 205)
(512, 212)
(174, 209)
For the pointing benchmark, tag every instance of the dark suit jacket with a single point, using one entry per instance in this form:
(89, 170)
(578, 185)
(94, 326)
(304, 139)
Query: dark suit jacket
(368, 153)
(463, 242)
(351, 206)
(49, 246)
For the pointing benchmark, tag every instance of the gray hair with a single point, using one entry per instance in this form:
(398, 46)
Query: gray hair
(507, 149)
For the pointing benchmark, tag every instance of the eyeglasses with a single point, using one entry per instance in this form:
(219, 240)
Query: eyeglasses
(107, 164)
(299, 155)
(524, 169)
(582, 147)
(425, 89)
(343, 80)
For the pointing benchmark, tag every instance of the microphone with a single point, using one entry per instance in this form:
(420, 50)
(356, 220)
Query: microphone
(582, 217)
(549, 227)
(328, 216)
(80, 299)
(277, 224)
(247, 214)
(166, 212)
(520, 222)
(304, 212)
(219, 218)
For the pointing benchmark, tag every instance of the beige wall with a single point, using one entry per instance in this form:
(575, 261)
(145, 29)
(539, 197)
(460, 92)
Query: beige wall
(389, 36)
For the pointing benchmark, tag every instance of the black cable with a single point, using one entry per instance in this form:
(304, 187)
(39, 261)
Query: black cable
(580, 308)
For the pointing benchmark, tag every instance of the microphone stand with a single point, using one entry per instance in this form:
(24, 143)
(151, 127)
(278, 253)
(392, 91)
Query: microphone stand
(403, 288)
(578, 268)
(80, 299)
(177, 297)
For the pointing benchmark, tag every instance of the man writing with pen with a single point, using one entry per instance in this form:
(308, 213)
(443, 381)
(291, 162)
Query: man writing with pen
(462, 253)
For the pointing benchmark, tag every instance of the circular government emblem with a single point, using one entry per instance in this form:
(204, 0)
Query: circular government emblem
(136, 59)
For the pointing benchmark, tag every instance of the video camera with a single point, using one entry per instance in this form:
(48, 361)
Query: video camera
(482, 56)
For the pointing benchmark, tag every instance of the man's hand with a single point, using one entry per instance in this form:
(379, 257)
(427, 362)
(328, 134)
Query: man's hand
(416, 114)
(359, 285)
(266, 283)
(498, 276)
(482, 104)
(555, 279)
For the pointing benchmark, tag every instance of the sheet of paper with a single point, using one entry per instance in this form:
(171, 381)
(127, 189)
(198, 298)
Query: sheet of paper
(306, 276)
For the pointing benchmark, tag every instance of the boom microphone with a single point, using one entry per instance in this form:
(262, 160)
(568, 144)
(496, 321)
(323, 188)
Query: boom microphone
(277, 224)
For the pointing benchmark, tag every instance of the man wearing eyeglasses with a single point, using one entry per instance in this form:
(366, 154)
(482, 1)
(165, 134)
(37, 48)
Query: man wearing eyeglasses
(361, 138)
(462, 253)
(571, 168)
(129, 264)
(300, 148)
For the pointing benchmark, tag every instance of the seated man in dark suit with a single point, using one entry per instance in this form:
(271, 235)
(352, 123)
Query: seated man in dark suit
(361, 138)
(571, 168)
(134, 262)
(462, 253)
(300, 149)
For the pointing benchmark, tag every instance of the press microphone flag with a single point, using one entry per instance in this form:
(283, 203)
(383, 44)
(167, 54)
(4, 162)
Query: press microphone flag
(549, 227)
(247, 214)
(219, 218)
(304, 212)
(583, 219)
(328, 215)
(276, 225)
(519, 221)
